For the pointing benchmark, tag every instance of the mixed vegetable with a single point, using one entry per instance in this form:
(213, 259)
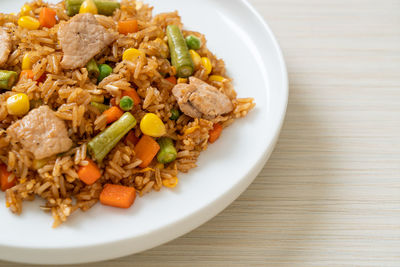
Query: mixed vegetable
(106, 8)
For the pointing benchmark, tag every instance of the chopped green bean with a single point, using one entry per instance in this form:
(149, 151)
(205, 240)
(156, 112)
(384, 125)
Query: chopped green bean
(105, 141)
(174, 114)
(7, 79)
(126, 103)
(106, 8)
(167, 151)
(105, 70)
(180, 56)
(99, 106)
(193, 42)
(93, 69)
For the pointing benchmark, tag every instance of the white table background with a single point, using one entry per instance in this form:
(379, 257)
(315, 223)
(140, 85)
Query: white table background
(330, 194)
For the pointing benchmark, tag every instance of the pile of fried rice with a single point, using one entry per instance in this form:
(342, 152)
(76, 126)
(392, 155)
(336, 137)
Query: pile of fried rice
(69, 92)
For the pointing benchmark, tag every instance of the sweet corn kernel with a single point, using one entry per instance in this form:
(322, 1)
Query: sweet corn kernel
(28, 23)
(216, 78)
(195, 57)
(171, 183)
(152, 125)
(206, 63)
(191, 129)
(88, 6)
(25, 10)
(26, 62)
(131, 54)
(182, 80)
(18, 104)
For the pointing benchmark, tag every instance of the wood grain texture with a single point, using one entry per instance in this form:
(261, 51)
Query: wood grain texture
(330, 194)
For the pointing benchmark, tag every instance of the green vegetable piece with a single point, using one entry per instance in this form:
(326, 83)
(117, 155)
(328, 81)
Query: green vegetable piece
(126, 103)
(167, 151)
(174, 114)
(99, 106)
(105, 70)
(193, 42)
(106, 8)
(105, 141)
(180, 56)
(7, 79)
(92, 68)
(72, 6)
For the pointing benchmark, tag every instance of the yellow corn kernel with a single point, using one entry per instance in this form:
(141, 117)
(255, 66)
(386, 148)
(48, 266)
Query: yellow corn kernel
(25, 10)
(206, 63)
(152, 125)
(216, 78)
(171, 183)
(191, 129)
(160, 165)
(195, 57)
(182, 80)
(18, 104)
(23, 180)
(131, 54)
(28, 23)
(88, 6)
(97, 98)
(26, 62)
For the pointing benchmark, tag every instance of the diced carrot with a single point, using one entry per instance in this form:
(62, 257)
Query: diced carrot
(215, 133)
(127, 26)
(132, 138)
(27, 73)
(132, 94)
(172, 79)
(118, 196)
(146, 149)
(47, 17)
(113, 114)
(89, 173)
(4, 182)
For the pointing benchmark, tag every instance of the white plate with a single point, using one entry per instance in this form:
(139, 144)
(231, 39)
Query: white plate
(236, 33)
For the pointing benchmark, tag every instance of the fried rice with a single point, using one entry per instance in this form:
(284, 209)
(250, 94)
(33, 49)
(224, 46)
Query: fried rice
(69, 94)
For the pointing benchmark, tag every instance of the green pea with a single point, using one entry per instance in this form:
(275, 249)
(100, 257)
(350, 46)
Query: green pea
(193, 42)
(126, 103)
(105, 70)
(174, 114)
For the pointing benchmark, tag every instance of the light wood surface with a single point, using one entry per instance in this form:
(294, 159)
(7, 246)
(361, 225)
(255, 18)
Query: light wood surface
(330, 194)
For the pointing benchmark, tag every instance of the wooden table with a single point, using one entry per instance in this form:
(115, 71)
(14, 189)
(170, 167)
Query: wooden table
(330, 194)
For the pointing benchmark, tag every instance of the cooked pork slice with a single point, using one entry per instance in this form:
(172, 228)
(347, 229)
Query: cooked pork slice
(41, 132)
(82, 38)
(5, 46)
(199, 99)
